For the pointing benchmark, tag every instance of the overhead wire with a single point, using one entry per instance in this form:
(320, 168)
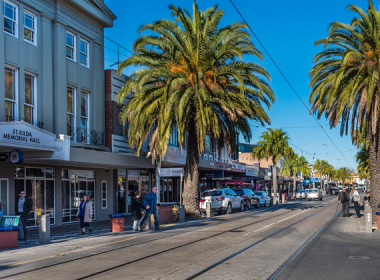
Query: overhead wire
(283, 75)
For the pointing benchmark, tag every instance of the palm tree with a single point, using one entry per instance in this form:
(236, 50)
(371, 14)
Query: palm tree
(193, 80)
(322, 167)
(273, 145)
(345, 83)
(328, 172)
(344, 174)
(292, 166)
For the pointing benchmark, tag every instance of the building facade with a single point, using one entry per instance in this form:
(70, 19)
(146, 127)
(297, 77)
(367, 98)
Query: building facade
(52, 107)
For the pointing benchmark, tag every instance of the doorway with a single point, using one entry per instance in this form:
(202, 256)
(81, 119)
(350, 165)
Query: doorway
(4, 197)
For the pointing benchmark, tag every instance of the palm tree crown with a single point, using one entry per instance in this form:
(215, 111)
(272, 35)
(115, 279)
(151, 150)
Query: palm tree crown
(292, 166)
(273, 145)
(192, 78)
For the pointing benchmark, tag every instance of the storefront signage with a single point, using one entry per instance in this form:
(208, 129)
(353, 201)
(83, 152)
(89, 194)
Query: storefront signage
(23, 133)
(251, 171)
(211, 174)
(175, 155)
(121, 173)
(10, 221)
(16, 156)
(133, 175)
(171, 172)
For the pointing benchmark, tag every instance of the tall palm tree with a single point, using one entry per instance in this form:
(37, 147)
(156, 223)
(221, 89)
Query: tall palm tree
(322, 167)
(344, 174)
(192, 79)
(345, 83)
(273, 145)
(292, 166)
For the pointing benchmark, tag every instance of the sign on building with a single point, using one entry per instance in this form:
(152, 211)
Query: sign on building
(171, 172)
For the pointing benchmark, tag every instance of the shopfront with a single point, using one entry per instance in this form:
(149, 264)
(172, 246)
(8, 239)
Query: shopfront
(127, 184)
(170, 182)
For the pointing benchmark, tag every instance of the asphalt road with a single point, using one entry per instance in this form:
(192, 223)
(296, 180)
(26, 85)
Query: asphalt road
(247, 245)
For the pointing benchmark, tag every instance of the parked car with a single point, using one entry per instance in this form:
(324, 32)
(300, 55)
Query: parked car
(301, 194)
(314, 194)
(249, 198)
(221, 200)
(264, 198)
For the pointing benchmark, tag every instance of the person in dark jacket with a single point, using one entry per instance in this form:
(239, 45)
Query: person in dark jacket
(150, 204)
(344, 198)
(23, 206)
(136, 211)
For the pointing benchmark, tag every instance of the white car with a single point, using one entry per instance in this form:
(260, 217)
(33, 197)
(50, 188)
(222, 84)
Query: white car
(221, 200)
(314, 194)
(264, 198)
(301, 194)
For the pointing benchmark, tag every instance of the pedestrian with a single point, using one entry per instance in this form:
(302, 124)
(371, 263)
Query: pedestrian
(23, 206)
(330, 190)
(344, 198)
(356, 200)
(136, 211)
(150, 204)
(85, 215)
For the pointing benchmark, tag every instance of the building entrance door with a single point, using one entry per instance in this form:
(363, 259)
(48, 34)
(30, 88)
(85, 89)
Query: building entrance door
(4, 198)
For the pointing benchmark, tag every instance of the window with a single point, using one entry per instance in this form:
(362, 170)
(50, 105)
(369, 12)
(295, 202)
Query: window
(104, 195)
(10, 94)
(70, 46)
(70, 110)
(30, 29)
(10, 18)
(84, 52)
(84, 115)
(30, 99)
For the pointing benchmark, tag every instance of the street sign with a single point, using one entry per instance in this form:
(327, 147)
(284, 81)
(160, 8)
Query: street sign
(315, 179)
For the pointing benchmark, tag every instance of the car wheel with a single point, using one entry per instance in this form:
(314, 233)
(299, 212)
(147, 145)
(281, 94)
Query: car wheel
(219, 212)
(249, 205)
(229, 209)
(241, 208)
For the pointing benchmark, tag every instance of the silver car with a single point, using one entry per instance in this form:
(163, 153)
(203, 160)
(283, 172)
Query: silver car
(222, 200)
(314, 194)
(301, 194)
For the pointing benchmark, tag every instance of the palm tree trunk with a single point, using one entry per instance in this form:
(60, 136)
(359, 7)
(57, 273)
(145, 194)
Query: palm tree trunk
(374, 170)
(274, 181)
(190, 193)
(294, 185)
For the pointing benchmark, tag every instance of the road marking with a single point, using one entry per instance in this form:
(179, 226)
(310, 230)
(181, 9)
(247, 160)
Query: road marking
(63, 254)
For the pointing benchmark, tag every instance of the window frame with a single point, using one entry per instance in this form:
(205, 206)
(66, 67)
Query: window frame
(15, 20)
(73, 47)
(35, 20)
(86, 54)
(84, 131)
(16, 97)
(73, 108)
(34, 88)
(101, 187)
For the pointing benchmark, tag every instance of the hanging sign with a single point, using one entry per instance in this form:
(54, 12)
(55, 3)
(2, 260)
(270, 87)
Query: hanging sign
(171, 172)
(16, 156)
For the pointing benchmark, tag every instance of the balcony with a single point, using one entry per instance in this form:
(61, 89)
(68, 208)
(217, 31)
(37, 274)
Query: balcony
(87, 136)
(14, 119)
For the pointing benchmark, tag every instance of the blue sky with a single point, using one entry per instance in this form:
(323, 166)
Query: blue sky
(288, 30)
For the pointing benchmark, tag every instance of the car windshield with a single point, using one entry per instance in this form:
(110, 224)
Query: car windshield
(212, 193)
(239, 192)
(259, 193)
(312, 191)
(300, 191)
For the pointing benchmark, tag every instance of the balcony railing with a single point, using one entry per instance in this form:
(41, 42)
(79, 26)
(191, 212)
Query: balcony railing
(87, 136)
(13, 119)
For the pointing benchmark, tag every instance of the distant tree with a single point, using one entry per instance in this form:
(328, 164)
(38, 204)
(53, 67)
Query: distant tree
(292, 166)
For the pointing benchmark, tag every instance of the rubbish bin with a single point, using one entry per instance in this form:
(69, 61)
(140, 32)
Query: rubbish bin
(378, 219)
(117, 222)
(165, 212)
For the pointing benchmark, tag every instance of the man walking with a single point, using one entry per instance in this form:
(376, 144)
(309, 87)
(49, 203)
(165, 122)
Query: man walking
(344, 198)
(150, 203)
(23, 207)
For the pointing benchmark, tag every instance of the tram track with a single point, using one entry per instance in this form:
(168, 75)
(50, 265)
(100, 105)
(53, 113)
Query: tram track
(296, 207)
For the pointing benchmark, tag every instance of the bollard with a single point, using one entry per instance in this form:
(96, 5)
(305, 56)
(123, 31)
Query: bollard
(181, 214)
(208, 209)
(368, 219)
(147, 224)
(44, 229)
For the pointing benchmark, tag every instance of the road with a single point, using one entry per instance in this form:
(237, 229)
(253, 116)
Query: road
(248, 245)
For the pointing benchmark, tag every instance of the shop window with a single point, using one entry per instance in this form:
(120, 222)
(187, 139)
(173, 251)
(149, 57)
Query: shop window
(104, 195)
(4, 195)
(35, 172)
(20, 171)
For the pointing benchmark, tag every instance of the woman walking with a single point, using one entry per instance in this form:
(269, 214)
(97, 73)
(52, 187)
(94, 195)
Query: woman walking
(85, 214)
(136, 211)
(356, 200)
